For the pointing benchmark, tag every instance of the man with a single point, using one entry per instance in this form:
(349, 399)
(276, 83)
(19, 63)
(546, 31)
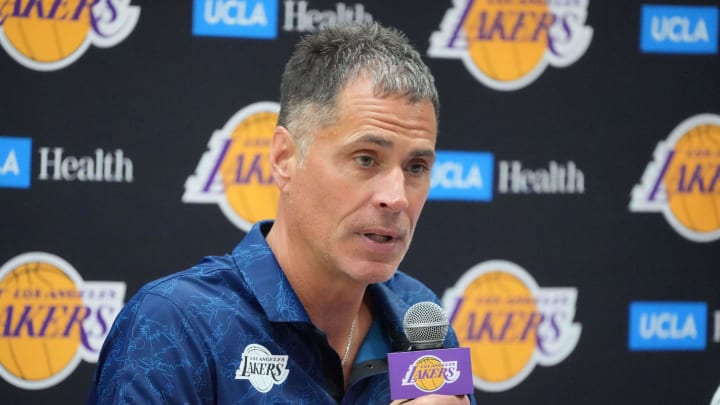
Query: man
(307, 307)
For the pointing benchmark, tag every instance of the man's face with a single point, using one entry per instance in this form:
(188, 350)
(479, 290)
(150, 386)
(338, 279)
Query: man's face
(356, 199)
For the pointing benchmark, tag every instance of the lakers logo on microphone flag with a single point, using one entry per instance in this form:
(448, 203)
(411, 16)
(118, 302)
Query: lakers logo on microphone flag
(440, 371)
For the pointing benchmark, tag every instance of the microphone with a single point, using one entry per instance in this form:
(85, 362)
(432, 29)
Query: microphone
(427, 368)
(425, 325)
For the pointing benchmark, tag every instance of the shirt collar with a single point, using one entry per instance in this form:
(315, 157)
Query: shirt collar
(389, 310)
(263, 275)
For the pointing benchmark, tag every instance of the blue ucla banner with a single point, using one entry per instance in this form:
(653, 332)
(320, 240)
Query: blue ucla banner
(679, 29)
(232, 18)
(459, 175)
(668, 325)
(15, 161)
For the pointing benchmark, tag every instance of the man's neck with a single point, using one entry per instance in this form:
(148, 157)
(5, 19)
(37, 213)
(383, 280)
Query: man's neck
(331, 299)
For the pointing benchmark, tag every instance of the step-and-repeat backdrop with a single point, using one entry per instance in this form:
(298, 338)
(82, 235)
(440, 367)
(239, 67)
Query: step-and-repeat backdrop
(572, 229)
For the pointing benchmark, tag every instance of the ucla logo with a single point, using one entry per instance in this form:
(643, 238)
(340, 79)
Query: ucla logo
(683, 180)
(263, 369)
(460, 175)
(46, 308)
(667, 326)
(48, 35)
(235, 18)
(429, 373)
(679, 29)
(15, 159)
(235, 171)
(509, 323)
(508, 44)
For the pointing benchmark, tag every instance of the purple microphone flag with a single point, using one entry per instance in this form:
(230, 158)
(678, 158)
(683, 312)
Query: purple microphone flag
(425, 372)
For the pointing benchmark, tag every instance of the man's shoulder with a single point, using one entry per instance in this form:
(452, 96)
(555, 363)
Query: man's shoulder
(214, 276)
(212, 292)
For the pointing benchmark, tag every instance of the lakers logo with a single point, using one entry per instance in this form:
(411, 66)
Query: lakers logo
(683, 180)
(509, 323)
(49, 35)
(508, 44)
(235, 171)
(263, 369)
(429, 373)
(51, 319)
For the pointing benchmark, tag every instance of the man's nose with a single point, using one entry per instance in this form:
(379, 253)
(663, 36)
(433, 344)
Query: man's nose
(391, 193)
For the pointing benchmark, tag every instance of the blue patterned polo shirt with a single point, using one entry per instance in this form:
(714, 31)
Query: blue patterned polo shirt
(231, 330)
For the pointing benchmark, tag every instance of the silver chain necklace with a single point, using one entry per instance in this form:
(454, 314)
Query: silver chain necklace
(349, 342)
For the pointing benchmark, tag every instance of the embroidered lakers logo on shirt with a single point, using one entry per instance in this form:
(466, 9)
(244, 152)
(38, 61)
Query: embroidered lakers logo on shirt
(262, 368)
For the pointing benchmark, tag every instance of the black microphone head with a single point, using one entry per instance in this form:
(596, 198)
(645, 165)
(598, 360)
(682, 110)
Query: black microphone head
(425, 325)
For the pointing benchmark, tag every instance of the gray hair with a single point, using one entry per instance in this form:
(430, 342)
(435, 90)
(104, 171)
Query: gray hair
(324, 62)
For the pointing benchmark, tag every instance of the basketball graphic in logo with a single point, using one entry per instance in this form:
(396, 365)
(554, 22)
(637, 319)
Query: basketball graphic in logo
(45, 38)
(260, 382)
(48, 35)
(235, 171)
(429, 374)
(38, 347)
(261, 368)
(248, 184)
(51, 319)
(509, 323)
(492, 39)
(501, 293)
(683, 179)
(508, 44)
(695, 175)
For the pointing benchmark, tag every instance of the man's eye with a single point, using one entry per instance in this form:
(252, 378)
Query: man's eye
(418, 168)
(364, 160)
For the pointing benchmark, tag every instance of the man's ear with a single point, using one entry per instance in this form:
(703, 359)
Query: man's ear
(282, 157)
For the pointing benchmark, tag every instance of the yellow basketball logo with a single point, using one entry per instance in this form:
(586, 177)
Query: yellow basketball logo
(507, 44)
(509, 323)
(429, 374)
(51, 319)
(683, 180)
(49, 35)
(235, 171)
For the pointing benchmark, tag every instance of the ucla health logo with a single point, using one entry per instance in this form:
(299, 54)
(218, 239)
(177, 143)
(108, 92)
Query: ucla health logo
(51, 319)
(49, 35)
(667, 326)
(234, 173)
(509, 323)
(556, 178)
(462, 176)
(15, 159)
(299, 17)
(236, 18)
(679, 29)
(260, 18)
(508, 44)
(683, 180)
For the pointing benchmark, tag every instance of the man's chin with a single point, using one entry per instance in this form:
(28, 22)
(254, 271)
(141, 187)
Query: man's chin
(374, 273)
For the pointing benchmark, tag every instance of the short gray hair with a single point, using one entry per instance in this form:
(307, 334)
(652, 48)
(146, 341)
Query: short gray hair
(324, 62)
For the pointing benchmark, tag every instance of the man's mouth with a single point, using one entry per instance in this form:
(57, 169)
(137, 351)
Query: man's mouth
(378, 237)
